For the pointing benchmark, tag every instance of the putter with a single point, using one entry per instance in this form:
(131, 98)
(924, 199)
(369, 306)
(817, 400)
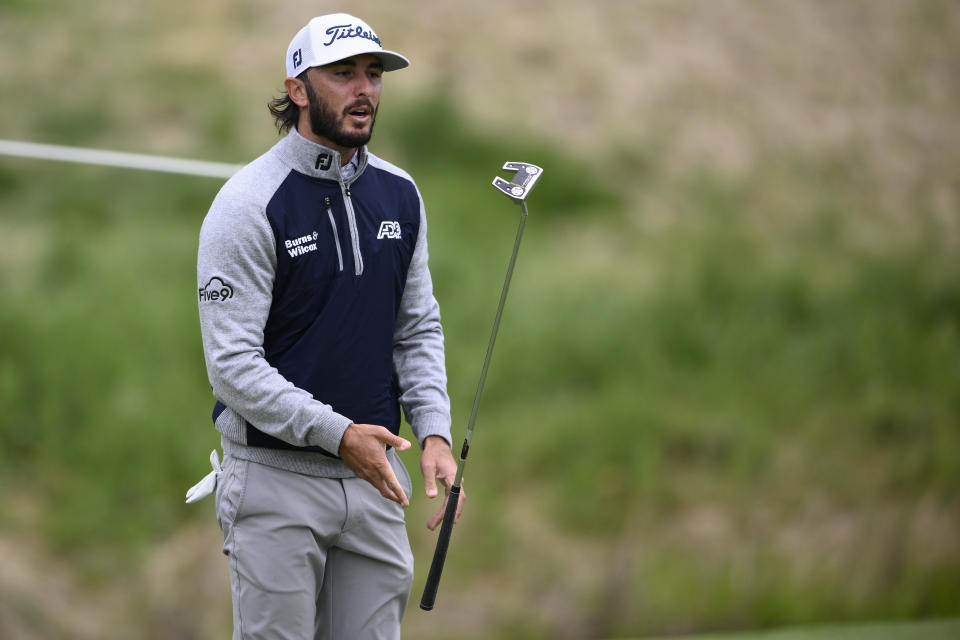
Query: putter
(524, 178)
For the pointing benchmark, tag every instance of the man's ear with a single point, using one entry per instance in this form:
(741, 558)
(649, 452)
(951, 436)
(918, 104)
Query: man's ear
(296, 91)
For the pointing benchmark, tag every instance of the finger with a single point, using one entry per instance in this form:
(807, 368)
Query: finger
(460, 502)
(395, 492)
(395, 441)
(431, 474)
(391, 494)
(436, 518)
(430, 479)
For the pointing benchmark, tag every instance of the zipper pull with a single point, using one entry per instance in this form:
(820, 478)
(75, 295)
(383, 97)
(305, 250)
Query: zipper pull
(336, 234)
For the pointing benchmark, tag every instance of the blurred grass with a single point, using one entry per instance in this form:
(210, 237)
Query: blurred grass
(931, 630)
(726, 392)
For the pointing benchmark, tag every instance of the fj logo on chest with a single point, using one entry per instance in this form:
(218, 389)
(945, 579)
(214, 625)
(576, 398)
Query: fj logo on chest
(389, 229)
(304, 244)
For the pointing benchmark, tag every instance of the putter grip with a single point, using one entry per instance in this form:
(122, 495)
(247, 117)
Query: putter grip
(440, 553)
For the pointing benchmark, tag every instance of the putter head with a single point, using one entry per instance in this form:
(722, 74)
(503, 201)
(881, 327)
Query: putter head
(525, 176)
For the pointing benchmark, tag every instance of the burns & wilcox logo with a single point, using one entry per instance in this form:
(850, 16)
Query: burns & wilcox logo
(216, 290)
(304, 244)
(389, 229)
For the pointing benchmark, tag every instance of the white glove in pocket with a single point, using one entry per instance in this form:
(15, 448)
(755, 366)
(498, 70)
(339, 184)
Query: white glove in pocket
(207, 485)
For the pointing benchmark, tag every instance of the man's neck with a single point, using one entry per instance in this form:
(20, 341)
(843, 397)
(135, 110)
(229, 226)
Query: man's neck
(346, 153)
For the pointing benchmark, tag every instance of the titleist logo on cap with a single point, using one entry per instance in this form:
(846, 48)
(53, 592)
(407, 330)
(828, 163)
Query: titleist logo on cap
(337, 36)
(341, 31)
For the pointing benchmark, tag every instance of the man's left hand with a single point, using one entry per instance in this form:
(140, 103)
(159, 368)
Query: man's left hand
(438, 465)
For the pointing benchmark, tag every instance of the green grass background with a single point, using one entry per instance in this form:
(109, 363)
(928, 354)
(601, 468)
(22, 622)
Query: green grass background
(726, 392)
(925, 630)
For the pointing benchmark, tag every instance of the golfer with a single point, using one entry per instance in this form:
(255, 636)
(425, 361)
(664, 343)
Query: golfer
(319, 324)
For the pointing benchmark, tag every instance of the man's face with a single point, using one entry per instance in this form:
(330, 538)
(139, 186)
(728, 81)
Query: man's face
(344, 97)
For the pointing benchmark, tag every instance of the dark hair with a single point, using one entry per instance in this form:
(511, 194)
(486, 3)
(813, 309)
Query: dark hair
(285, 111)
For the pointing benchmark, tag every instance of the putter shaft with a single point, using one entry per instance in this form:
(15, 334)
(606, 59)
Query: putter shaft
(525, 177)
(449, 515)
(493, 340)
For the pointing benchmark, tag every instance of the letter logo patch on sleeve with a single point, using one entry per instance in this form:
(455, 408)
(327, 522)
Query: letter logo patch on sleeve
(216, 290)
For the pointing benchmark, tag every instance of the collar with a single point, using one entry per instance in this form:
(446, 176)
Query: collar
(312, 159)
(349, 170)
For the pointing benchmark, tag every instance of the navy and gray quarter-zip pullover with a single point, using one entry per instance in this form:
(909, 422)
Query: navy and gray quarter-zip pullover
(317, 307)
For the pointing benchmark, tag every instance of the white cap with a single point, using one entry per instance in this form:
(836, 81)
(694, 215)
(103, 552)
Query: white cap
(334, 37)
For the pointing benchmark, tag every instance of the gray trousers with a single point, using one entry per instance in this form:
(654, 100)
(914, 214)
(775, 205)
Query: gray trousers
(313, 558)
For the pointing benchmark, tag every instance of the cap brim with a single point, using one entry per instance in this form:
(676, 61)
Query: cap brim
(391, 60)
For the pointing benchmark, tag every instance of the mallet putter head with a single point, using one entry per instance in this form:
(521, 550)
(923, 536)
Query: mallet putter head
(525, 176)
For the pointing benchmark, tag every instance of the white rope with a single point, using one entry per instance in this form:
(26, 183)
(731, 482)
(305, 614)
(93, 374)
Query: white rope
(118, 159)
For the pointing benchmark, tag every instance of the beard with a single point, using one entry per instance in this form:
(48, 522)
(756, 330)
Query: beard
(328, 125)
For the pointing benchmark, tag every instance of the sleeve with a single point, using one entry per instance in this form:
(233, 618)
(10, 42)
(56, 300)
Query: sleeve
(236, 265)
(418, 355)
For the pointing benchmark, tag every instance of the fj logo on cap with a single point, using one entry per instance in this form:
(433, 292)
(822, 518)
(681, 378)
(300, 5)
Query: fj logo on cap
(389, 229)
(297, 58)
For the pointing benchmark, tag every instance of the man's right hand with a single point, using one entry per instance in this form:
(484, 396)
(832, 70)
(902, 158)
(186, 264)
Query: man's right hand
(364, 449)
